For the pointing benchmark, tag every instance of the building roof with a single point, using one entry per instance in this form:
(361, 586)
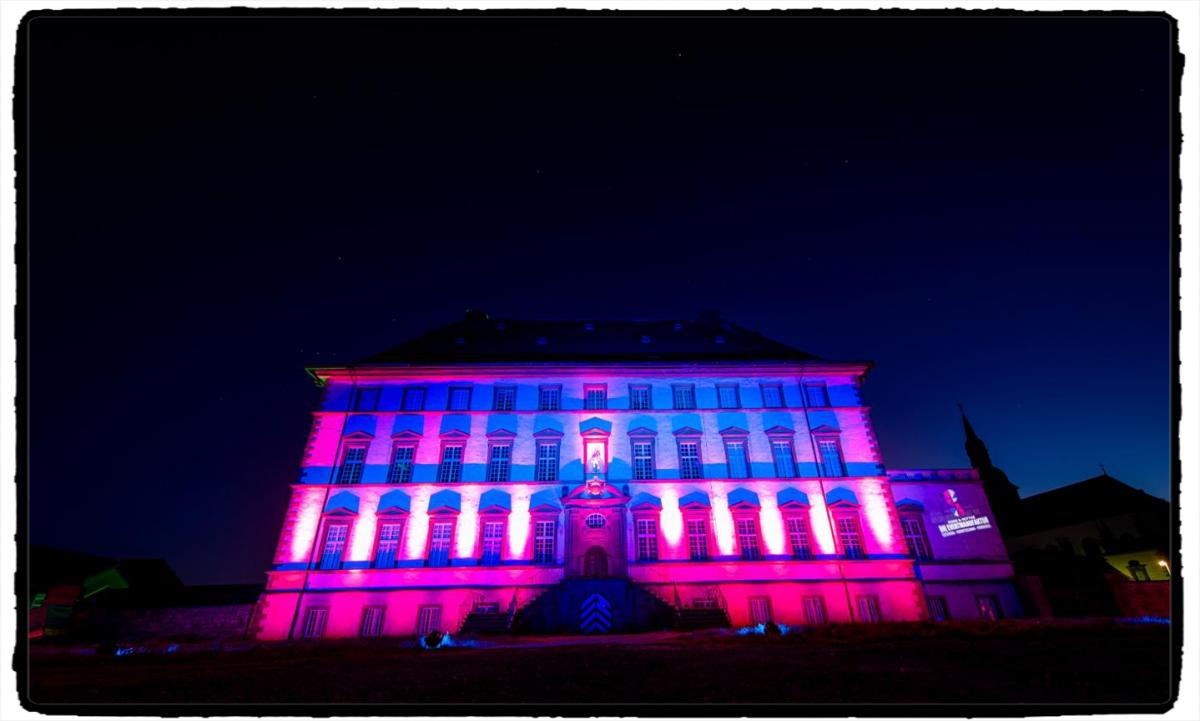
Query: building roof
(1094, 498)
(478, 338)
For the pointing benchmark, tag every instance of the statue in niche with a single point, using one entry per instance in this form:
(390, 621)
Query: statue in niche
(596, 461)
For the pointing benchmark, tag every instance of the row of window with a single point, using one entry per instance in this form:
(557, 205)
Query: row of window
(647, 538)
(499, 468)
(595, 396)
(429, 617)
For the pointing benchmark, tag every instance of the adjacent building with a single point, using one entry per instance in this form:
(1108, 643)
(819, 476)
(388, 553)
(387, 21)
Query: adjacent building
(595, 476)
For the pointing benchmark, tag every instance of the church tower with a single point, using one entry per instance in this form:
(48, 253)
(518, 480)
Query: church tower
(1001, 492)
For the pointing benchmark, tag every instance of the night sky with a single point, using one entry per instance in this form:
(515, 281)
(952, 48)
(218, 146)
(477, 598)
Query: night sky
(982, 207)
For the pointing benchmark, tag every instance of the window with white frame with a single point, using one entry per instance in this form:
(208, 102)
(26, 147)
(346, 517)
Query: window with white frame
(334, 546)
(817, 394)
(459, 398)
(735, 453)
(727, 396)
(684, 396)
(366, 399)
(504, 398)
(850, 536)
(354, 458)
(747, 534)
(938, 610)
(549, 398)
(387, 546)
(492, 542)
(314, 622)
(543, 541)
(814, 610)
(868, 609)
(639, 398)
(595, 397)
(414, 399)
(798, 537)
(690, 467)
(989, 607)
(500, 463)
(372, 622)
(772, 395)
(832, 464)
(450, 470)
(785, 457)
(441, 536)
(429, 618)
(643, 460)
(647, 539)
(697, 537)
(401, 470)
(547, 461)
(913, 527)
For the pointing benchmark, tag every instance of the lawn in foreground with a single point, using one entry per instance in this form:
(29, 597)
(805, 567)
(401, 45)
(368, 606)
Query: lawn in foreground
(1006, 662)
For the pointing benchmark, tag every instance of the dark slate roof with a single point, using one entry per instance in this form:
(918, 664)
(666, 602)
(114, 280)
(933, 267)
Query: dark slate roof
(1095, 498)
(478, 338)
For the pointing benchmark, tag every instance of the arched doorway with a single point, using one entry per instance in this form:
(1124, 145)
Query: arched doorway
(595, 563)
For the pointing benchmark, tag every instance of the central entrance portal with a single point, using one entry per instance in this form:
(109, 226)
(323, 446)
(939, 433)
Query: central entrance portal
(595, 563)
(595, 523)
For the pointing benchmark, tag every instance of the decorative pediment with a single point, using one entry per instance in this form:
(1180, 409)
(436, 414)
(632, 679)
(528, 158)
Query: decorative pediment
(734, 431)
(780, 431)
(358, 436)
(595, 427)
(686, 431)
(548, 434)
(824, 430)
(342, 504)
(908, 504)
(495, 500)
(743, 498)
(698, 499)
(841, 496)
(394, 503)
(642, 432)
(645, 502)
(501, 433)
(455, 433)
(593, 491)
(445, 501)
(792, 498)
(544, 500)
(408, 434)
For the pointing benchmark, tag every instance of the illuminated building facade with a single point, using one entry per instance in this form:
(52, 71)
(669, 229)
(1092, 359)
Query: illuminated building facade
(614, 476)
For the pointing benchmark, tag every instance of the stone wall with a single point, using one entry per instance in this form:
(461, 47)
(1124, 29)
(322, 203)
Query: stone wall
(194, 623)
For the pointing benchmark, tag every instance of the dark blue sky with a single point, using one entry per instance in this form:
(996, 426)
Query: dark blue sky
(980, 206)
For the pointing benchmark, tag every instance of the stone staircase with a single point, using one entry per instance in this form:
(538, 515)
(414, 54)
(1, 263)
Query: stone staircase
(485, 624)
(691, 619)
(569, 607)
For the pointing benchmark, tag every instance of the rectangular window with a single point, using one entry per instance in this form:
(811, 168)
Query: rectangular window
(797, 530)
(414, 399)
(441, 534)
(595, 397)
(500, 463)
(735, 453)
(832, 465)
(643, 460)
(353, 461)
(760, 610)
(850, 536)
(549, 398)
(647, 539)
(493, 541)
(460, 398)
(814, 610)
(689, 460)
(389, 544)
(817, 395)
(772, 395)
(697, 534)
(334, 546)
(639, 398)
(785, 459)
(429, 618)
(450, 471)
(938, 611)
(504, 398)
(372, 622)
(366, 399)
(868, 609)
(314, 622)
(543, 542)
(914, 535)
(401, 470)
(727, 396)
(547, 462)
(684, 396)
(989, 607)
(747, 533)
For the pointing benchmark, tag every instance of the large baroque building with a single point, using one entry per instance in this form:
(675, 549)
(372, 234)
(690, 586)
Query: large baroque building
(553, 476)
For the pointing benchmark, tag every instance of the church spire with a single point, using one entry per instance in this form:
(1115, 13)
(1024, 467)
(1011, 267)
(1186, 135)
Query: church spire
(1002, 493)
(977, 451)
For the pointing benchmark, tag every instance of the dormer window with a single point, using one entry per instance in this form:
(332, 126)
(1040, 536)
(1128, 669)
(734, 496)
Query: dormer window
(459, 398)
(366, 399)
(504, 398)
(549, 397)
(595, 397)
(684, 396)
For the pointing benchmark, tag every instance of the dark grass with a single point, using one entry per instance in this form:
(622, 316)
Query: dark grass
(1006, 662)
